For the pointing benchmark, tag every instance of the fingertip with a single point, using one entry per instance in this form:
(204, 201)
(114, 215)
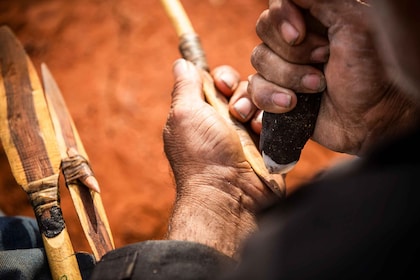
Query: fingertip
(229, 81)
(226, 79)
(290, 21)
(256, 123)
(185, 70)
(289, 32)
(314, 82)
(188, 80)
(180, 66)
(243, 107)
(269, 96)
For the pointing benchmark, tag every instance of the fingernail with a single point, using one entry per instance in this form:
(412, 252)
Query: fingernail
(281, 99)
(290, 34)
(243, 107)
(228, 79)
(313, 82)
(180, 66)
(320, 54)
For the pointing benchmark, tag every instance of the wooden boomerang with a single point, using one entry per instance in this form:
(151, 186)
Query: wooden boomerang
(78, 175)
(190, 48)
(28, 138)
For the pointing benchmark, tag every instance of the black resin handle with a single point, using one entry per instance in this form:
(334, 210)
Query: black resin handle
(283, 136)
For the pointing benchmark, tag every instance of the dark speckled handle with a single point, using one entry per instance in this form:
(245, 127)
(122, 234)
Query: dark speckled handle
(283, 136)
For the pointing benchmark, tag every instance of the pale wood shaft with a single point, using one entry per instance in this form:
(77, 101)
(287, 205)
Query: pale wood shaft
(28, 139)
(61, 257)
(93, 220)
(178, 17)
(87, 203)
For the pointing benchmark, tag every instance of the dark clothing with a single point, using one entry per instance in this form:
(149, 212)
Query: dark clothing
(164, 259)
(358, 222)
(22, 256)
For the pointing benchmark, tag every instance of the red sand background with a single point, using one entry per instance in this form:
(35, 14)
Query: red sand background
(112, 60)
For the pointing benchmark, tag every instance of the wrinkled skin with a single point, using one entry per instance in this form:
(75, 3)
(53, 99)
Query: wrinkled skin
(211, 147)
(216, 186)
(358, 91)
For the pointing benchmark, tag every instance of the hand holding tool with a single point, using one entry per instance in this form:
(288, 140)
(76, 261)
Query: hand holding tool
(191, 49)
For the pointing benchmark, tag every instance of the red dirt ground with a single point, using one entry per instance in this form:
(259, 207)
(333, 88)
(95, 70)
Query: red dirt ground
(112, 60)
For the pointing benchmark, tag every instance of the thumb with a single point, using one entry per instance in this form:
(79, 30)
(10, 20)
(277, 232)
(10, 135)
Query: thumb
(188, 82)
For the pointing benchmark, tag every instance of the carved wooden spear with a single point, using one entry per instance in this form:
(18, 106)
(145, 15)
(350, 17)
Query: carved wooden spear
(79, 177)
(28, 138)
(191, 49)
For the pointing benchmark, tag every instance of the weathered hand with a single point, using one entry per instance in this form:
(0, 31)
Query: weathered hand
(199, 144)
(218, 193)
(360, 105)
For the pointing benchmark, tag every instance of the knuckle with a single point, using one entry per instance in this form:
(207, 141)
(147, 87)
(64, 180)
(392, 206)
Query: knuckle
(258, 57)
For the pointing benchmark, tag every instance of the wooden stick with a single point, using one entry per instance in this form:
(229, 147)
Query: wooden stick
(80, 180)
(190, 48)
(28, 139)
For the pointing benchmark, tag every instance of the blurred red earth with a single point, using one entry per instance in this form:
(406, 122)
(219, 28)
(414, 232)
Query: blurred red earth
(112, 61)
